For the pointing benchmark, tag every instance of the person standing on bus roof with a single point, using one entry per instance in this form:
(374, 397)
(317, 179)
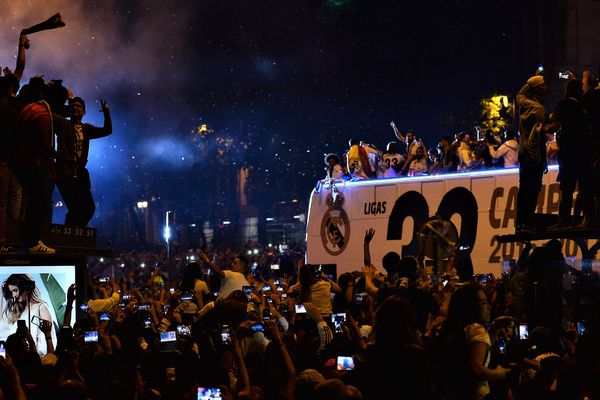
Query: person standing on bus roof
(391, 162)
(508, 151)
(420, 164)
(448, 160)
(333, 169)
(466, 158)
(591, 104)
(412, 144)
(359, 165)
(374, 155)
(573, 158)
(533, 128)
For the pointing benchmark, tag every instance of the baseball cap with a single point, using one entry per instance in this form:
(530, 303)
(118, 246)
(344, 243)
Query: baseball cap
(536, 81)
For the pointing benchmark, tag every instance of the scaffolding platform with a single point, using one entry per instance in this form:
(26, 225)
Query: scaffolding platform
(580, 236)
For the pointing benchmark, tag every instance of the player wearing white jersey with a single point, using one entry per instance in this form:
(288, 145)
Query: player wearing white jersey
(391, 163)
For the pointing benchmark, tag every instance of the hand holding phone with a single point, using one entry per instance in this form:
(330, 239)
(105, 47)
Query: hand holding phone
(345, 363)
(359, 298)
(523, 332)
(266, 314)
(90, 337)
(209, 393)
(187, 296)
(37, 321)
(226, 335)
(300, 309)
(501, 345)
(184, 330)
(580, 328)
(168, 336)
(540, 70)
(45, 326)
(338, 320)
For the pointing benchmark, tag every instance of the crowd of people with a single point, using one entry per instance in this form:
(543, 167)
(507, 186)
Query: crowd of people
(222, 326)
(568, 136)
(409, 156)
(259, 323)
(44, 144)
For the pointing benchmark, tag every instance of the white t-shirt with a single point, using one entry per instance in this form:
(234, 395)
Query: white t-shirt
(231, 282)
(320, 297)
(36, 333)
(412, 147)
(477, 333)
(337, 172)
(200, 287)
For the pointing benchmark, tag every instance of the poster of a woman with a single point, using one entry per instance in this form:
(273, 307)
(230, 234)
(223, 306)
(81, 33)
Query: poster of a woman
(29, 293)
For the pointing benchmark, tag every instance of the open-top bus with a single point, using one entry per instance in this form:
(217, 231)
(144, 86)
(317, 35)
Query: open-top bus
(481, 204)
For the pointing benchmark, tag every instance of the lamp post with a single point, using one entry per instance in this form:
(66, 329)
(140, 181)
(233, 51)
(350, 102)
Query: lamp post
(169, 223)
(143, 207)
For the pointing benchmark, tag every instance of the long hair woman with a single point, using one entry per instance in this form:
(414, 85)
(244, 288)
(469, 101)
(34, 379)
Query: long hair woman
(464, 372)
(316, 288)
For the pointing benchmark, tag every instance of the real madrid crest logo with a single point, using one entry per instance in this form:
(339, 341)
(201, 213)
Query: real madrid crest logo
(335, 226)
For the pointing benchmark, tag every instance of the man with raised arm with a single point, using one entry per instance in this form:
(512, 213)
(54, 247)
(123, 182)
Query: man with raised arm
(10, 189)
(73, 178)
(412, 144)
(232, 279)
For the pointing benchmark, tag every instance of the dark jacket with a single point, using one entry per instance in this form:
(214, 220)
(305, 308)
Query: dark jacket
(68, 162)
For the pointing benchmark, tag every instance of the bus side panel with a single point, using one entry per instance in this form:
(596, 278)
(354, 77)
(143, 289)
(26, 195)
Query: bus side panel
(483, 190)
(378, 205)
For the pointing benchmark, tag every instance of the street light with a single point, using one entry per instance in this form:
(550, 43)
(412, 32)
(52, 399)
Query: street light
(142, 205)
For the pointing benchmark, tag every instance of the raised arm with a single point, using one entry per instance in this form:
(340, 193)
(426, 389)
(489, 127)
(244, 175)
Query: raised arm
(367, 253)
(107, 119)
(523, 99)
(95, 132)
(369, 272)
(287, 387)
(216, 270)
(69, 305)
(243, 384)
(397, 132)
(46, 328)
(496, 154)
(20, 67)
(335, 288)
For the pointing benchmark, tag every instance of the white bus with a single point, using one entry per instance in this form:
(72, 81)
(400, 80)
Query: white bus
(481, 204)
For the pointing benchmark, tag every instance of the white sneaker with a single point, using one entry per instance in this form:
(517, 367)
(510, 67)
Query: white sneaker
(41, 248)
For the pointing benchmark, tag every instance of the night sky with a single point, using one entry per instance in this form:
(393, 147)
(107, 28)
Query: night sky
(270, 79)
